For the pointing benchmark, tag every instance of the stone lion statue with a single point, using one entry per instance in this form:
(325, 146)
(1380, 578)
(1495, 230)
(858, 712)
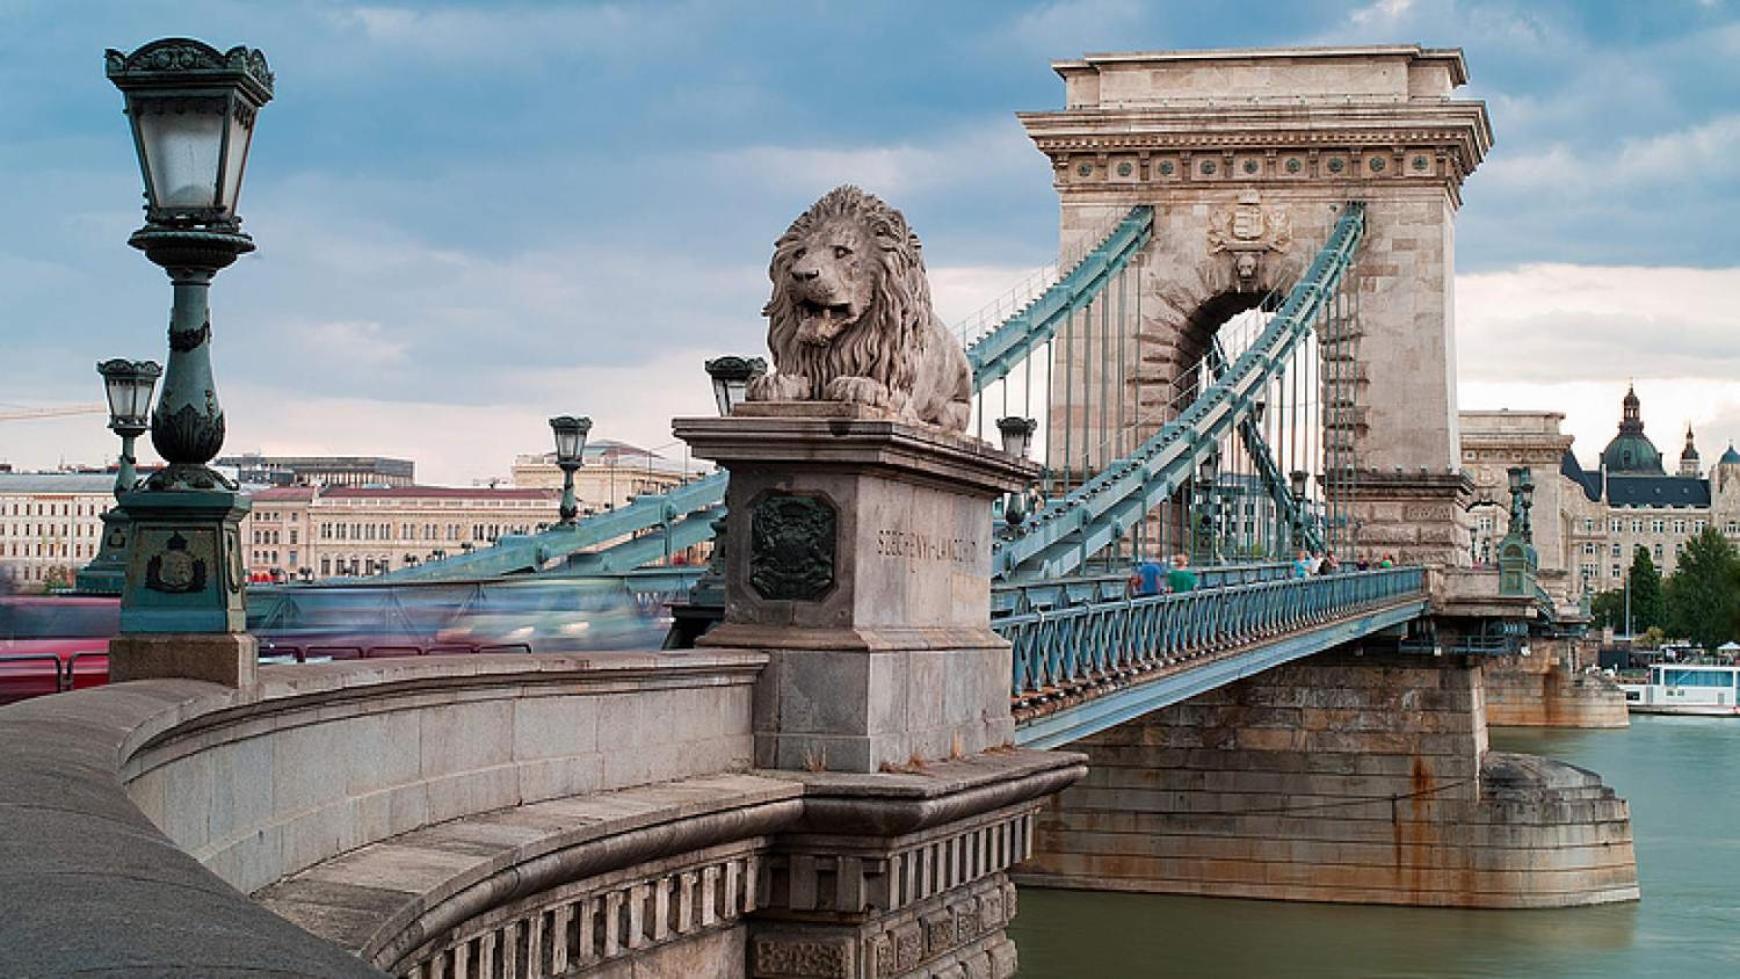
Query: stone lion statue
(850, 318)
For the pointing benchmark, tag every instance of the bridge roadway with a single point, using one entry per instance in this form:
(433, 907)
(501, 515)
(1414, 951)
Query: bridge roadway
(121, 804)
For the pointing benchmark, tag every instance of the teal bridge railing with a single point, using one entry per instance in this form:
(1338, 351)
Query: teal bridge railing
(1062, 536)
(1082, 668)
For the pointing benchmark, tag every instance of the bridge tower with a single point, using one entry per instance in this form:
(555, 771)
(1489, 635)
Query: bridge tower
(1247, 157)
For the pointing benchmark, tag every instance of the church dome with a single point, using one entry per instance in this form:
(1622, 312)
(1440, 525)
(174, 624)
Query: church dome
(1730, 457)
(1631, 451)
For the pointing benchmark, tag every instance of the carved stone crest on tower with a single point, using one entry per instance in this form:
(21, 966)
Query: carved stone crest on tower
(1248, 229)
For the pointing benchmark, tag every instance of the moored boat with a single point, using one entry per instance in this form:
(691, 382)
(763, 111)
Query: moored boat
(1686, 688)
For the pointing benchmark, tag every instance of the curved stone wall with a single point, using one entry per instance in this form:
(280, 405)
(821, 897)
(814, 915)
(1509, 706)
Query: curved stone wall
(137, 816)
(322, 759)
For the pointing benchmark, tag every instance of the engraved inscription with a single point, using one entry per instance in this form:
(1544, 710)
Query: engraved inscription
(918, 546)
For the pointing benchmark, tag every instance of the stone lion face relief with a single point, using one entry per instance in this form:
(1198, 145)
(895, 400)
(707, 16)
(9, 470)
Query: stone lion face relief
(850, 318)
(830, 282)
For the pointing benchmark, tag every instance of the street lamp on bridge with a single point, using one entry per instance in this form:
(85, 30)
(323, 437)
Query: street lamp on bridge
(192, 110)
(731, 376)
(128, 385)
(1017, 434)
(570, 445)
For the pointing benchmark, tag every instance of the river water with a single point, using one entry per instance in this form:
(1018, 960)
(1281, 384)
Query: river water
(1682, 777)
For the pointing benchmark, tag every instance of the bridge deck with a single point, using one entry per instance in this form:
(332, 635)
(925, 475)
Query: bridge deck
(1085, 668)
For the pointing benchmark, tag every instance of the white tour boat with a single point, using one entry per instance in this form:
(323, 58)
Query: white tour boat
(1686, 688)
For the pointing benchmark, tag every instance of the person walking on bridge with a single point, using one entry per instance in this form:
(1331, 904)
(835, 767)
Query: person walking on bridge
(1146, 580)
(1180, 579)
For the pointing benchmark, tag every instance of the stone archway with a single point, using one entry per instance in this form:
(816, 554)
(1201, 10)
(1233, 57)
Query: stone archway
(1246, 158)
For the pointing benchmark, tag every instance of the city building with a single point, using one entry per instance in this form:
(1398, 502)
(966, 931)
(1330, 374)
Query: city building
(312, 532)
(262, 470)
(610, 474)
(50, 525)
(1587, 522)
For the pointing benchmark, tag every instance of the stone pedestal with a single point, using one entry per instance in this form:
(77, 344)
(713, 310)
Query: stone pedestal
(859, 560)
(182, 612)
(904, 875)
(229, 658)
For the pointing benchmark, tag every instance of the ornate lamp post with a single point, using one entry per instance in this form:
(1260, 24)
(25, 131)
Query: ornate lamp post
(1517, 560)
(192, 110)
(706, 605)
(731, 377)
(128, 385)
(570, 445)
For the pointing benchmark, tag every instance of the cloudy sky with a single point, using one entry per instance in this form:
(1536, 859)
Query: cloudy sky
(472, 216)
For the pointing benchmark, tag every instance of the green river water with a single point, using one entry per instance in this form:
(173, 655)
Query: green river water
(1682, 777)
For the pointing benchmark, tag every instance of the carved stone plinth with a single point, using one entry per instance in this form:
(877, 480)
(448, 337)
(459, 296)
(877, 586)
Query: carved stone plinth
(859, 560)
(1412, 517)
(903, 875)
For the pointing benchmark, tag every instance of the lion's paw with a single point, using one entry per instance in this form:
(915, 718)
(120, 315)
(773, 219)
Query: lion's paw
(857, 390)
(778, 387)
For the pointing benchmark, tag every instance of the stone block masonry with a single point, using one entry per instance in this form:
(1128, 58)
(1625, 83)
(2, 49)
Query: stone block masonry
(1345, 778)
(1546, 689)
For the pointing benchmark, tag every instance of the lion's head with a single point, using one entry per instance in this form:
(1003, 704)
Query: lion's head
(849, 293)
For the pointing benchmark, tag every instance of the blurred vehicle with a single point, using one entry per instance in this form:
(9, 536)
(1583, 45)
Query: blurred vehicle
(54, 643)
(562, 631)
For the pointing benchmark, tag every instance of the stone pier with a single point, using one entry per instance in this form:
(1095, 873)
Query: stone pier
(1346, 778)
(1548, 688)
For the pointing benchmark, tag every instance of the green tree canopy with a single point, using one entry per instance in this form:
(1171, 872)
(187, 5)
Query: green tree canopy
(1607, 610)
(1703, 596)
(1648, 607)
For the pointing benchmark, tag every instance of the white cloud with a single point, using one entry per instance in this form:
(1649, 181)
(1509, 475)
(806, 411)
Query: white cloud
(1381, 12)
(1570, 337)
(1070, 27)
(1667, 159)
(962, 157)
(362, 343)
(506, 34)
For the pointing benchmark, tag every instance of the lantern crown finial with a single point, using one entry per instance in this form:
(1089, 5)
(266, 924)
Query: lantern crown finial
(183, 60)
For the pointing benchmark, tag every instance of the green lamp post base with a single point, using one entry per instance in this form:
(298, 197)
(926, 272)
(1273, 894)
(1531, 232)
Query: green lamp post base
(107, 572)
(185, 568)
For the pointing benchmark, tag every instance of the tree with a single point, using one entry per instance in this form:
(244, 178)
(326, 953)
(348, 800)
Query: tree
(1607, 610)
(1703, 596)
(1648, 609)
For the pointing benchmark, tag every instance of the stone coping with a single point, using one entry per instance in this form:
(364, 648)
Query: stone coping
(385, 900)
(832, 435)
(212, 713)
(89, 885)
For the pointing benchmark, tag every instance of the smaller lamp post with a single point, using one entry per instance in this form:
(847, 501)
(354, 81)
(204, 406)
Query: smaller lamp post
(1017, 434)
(1300, 482)
(731, 377)
(570, 444)
(128, 385)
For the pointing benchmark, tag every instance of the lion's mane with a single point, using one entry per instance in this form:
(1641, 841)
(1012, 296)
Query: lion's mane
(886, 342)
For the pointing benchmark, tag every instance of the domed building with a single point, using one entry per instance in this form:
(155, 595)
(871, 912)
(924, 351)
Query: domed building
(1631, 451)
(1628, 500)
